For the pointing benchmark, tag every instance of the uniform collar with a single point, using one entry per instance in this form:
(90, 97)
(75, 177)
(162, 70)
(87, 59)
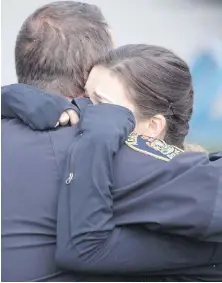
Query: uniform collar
(156, 148)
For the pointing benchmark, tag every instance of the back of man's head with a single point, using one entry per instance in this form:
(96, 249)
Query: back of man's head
(58, 44)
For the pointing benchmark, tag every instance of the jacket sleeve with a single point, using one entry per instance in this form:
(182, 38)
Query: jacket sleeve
(38, 109)
(187, 201)
(87, 237)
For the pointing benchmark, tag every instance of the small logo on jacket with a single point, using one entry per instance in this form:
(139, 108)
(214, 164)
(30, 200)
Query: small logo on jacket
(154, 147)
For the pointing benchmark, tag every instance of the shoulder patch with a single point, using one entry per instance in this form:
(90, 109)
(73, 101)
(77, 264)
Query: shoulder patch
(154, 147)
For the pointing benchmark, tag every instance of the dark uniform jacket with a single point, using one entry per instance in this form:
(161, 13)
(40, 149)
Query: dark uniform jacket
(150, 210)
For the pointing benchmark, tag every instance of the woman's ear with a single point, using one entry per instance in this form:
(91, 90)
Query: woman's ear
(157, 126)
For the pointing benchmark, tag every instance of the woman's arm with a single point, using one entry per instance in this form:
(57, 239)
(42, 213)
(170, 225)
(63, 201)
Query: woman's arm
(180, 197)
(38, 109)
(189, 191)
(87, 239)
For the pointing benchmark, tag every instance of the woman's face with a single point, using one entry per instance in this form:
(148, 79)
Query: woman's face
(103, 86)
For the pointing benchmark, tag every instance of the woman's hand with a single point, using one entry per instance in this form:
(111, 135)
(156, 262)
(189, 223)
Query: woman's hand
(68, 116)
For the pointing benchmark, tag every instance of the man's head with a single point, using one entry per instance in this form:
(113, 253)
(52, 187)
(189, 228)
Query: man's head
(58, 44)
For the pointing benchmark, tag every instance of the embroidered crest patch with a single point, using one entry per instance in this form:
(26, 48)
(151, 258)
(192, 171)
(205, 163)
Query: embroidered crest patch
(154, 147)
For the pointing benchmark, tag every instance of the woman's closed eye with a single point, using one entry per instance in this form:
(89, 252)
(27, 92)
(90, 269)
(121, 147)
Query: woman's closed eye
(98, 99)
(101, 98)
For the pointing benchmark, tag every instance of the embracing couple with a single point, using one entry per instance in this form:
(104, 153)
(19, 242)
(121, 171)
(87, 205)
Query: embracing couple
(97, 184)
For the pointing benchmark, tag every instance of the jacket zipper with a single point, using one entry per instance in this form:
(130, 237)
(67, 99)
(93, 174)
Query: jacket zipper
(71, 159)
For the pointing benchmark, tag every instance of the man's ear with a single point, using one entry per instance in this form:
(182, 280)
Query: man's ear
(112, 37)
(157, 126)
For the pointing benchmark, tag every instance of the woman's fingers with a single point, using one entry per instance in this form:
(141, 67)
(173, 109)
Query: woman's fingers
(69, 116)
(73, 117)
(64, 119)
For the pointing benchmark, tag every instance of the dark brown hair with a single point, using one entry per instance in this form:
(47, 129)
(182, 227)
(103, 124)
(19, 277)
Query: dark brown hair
(158, 82)
(58, 44)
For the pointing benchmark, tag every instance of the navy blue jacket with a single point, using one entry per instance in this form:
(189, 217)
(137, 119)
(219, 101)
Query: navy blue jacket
(145, 189)
(31, 161)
